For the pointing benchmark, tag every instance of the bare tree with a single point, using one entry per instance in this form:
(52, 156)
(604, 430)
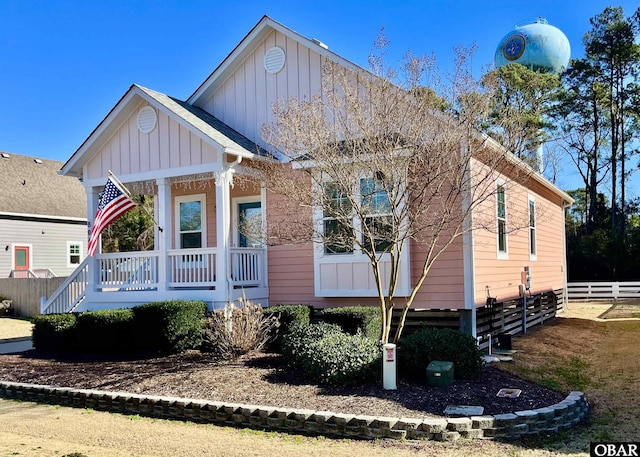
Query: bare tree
(376, 162)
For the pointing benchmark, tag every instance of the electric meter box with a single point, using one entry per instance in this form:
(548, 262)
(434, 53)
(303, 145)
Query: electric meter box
(440, 374)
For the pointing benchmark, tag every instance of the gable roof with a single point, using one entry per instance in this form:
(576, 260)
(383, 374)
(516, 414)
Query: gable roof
(249, 43)
(202, 124)
(32, 186)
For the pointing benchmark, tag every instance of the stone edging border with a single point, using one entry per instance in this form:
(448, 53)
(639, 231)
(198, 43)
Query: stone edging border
(554, 418)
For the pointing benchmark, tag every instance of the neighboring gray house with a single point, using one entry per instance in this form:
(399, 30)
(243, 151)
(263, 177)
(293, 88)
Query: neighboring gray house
(43, 218)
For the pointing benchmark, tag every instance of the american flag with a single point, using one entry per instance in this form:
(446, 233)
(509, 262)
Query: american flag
(114, 202)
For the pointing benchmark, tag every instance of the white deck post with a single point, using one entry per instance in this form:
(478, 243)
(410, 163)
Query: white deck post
(94, 266)
(163, 239)
(223, 224)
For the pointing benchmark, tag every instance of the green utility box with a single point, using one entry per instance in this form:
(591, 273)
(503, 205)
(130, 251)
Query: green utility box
(440, 374)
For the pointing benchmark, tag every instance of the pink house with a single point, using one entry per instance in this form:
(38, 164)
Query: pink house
(186, 154)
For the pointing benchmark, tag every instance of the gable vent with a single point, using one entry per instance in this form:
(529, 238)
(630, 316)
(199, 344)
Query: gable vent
(274, 60)
(147, 119)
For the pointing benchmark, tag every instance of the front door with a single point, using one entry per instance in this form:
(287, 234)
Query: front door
(21, 257)
(250, 225)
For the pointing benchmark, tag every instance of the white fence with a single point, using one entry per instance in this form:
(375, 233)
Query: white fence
(604, 290)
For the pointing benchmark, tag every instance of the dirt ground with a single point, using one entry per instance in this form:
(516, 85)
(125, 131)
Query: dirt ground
(579, 351)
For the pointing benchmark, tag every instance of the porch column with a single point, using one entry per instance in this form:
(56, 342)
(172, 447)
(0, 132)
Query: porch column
(93, 266)
(223, 225)
(163, 238)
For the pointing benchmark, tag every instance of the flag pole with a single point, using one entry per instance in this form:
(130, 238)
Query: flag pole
(123, 188)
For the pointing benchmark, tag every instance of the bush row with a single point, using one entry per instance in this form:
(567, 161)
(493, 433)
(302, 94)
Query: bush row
(160, 327)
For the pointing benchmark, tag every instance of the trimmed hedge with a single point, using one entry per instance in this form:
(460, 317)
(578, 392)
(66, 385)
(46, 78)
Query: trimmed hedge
(54, 332)
(417, 350)
(354, 319)
(329, 356)
(170, 326)
(109, 330)
(289, 316)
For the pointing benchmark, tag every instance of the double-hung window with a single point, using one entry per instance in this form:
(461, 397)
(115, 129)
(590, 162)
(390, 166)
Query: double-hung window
(501, 215)
(74, 253)
(377, 223)
(337, 220)
(533, 248)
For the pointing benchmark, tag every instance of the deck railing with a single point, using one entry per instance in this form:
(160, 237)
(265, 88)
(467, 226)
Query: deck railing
(192, 267)
(186, 268)
(248, 267)
(70, 293)
(128, 270)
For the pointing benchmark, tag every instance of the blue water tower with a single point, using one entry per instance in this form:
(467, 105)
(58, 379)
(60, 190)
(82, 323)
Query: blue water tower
(535, 45)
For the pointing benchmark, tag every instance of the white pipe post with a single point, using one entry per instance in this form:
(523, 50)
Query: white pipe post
(389, 366)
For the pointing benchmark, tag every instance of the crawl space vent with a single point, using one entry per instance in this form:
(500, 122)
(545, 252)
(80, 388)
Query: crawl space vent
(274, 60)
(147, 119)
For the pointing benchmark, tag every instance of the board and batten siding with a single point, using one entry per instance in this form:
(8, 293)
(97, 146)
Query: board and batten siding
(244, 100)
(168, 145)
(503, 276)
(48, 242)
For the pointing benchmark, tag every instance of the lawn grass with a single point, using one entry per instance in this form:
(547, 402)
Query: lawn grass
(599, 358)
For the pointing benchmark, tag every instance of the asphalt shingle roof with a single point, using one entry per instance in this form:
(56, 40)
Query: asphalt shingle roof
(29, 185)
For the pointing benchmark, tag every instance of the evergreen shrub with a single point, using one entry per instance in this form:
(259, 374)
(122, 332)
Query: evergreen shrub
(54, 332)
(288, 316)
(169, 327)
(329, 356)
(108, 330)
(417, 350)
(355, 319)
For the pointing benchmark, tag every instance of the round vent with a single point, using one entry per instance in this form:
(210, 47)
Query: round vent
(147, 119)
(274, 60)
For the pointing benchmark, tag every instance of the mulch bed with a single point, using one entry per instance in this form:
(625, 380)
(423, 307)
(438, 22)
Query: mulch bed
(264, 379)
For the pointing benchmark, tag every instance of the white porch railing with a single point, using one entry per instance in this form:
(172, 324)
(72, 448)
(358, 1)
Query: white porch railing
(594, 290)
(248, 267)
(128, 270)
(70, 293)
(138, 271)
(192, 267)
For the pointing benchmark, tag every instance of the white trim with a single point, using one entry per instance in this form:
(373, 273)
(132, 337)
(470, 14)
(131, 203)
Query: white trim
(202, 198)
(532, 256)
(502, 255)
(235, 214)
(44, 216)
(468, 252)
(80, 254)
(13, 254)
(159, 174)
(357, 256)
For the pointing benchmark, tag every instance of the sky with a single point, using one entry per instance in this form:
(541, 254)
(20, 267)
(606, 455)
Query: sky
(65, 63)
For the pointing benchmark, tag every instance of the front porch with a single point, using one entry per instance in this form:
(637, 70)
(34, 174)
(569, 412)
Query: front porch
(207, 245)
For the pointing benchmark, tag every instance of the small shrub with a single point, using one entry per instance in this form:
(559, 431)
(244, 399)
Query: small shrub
(288, 316)
(354, 319)
(328, 355)
(299, 339)
(54, 332)
(109, 330)
(235, 331)
(416, 351)
(169, 326)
